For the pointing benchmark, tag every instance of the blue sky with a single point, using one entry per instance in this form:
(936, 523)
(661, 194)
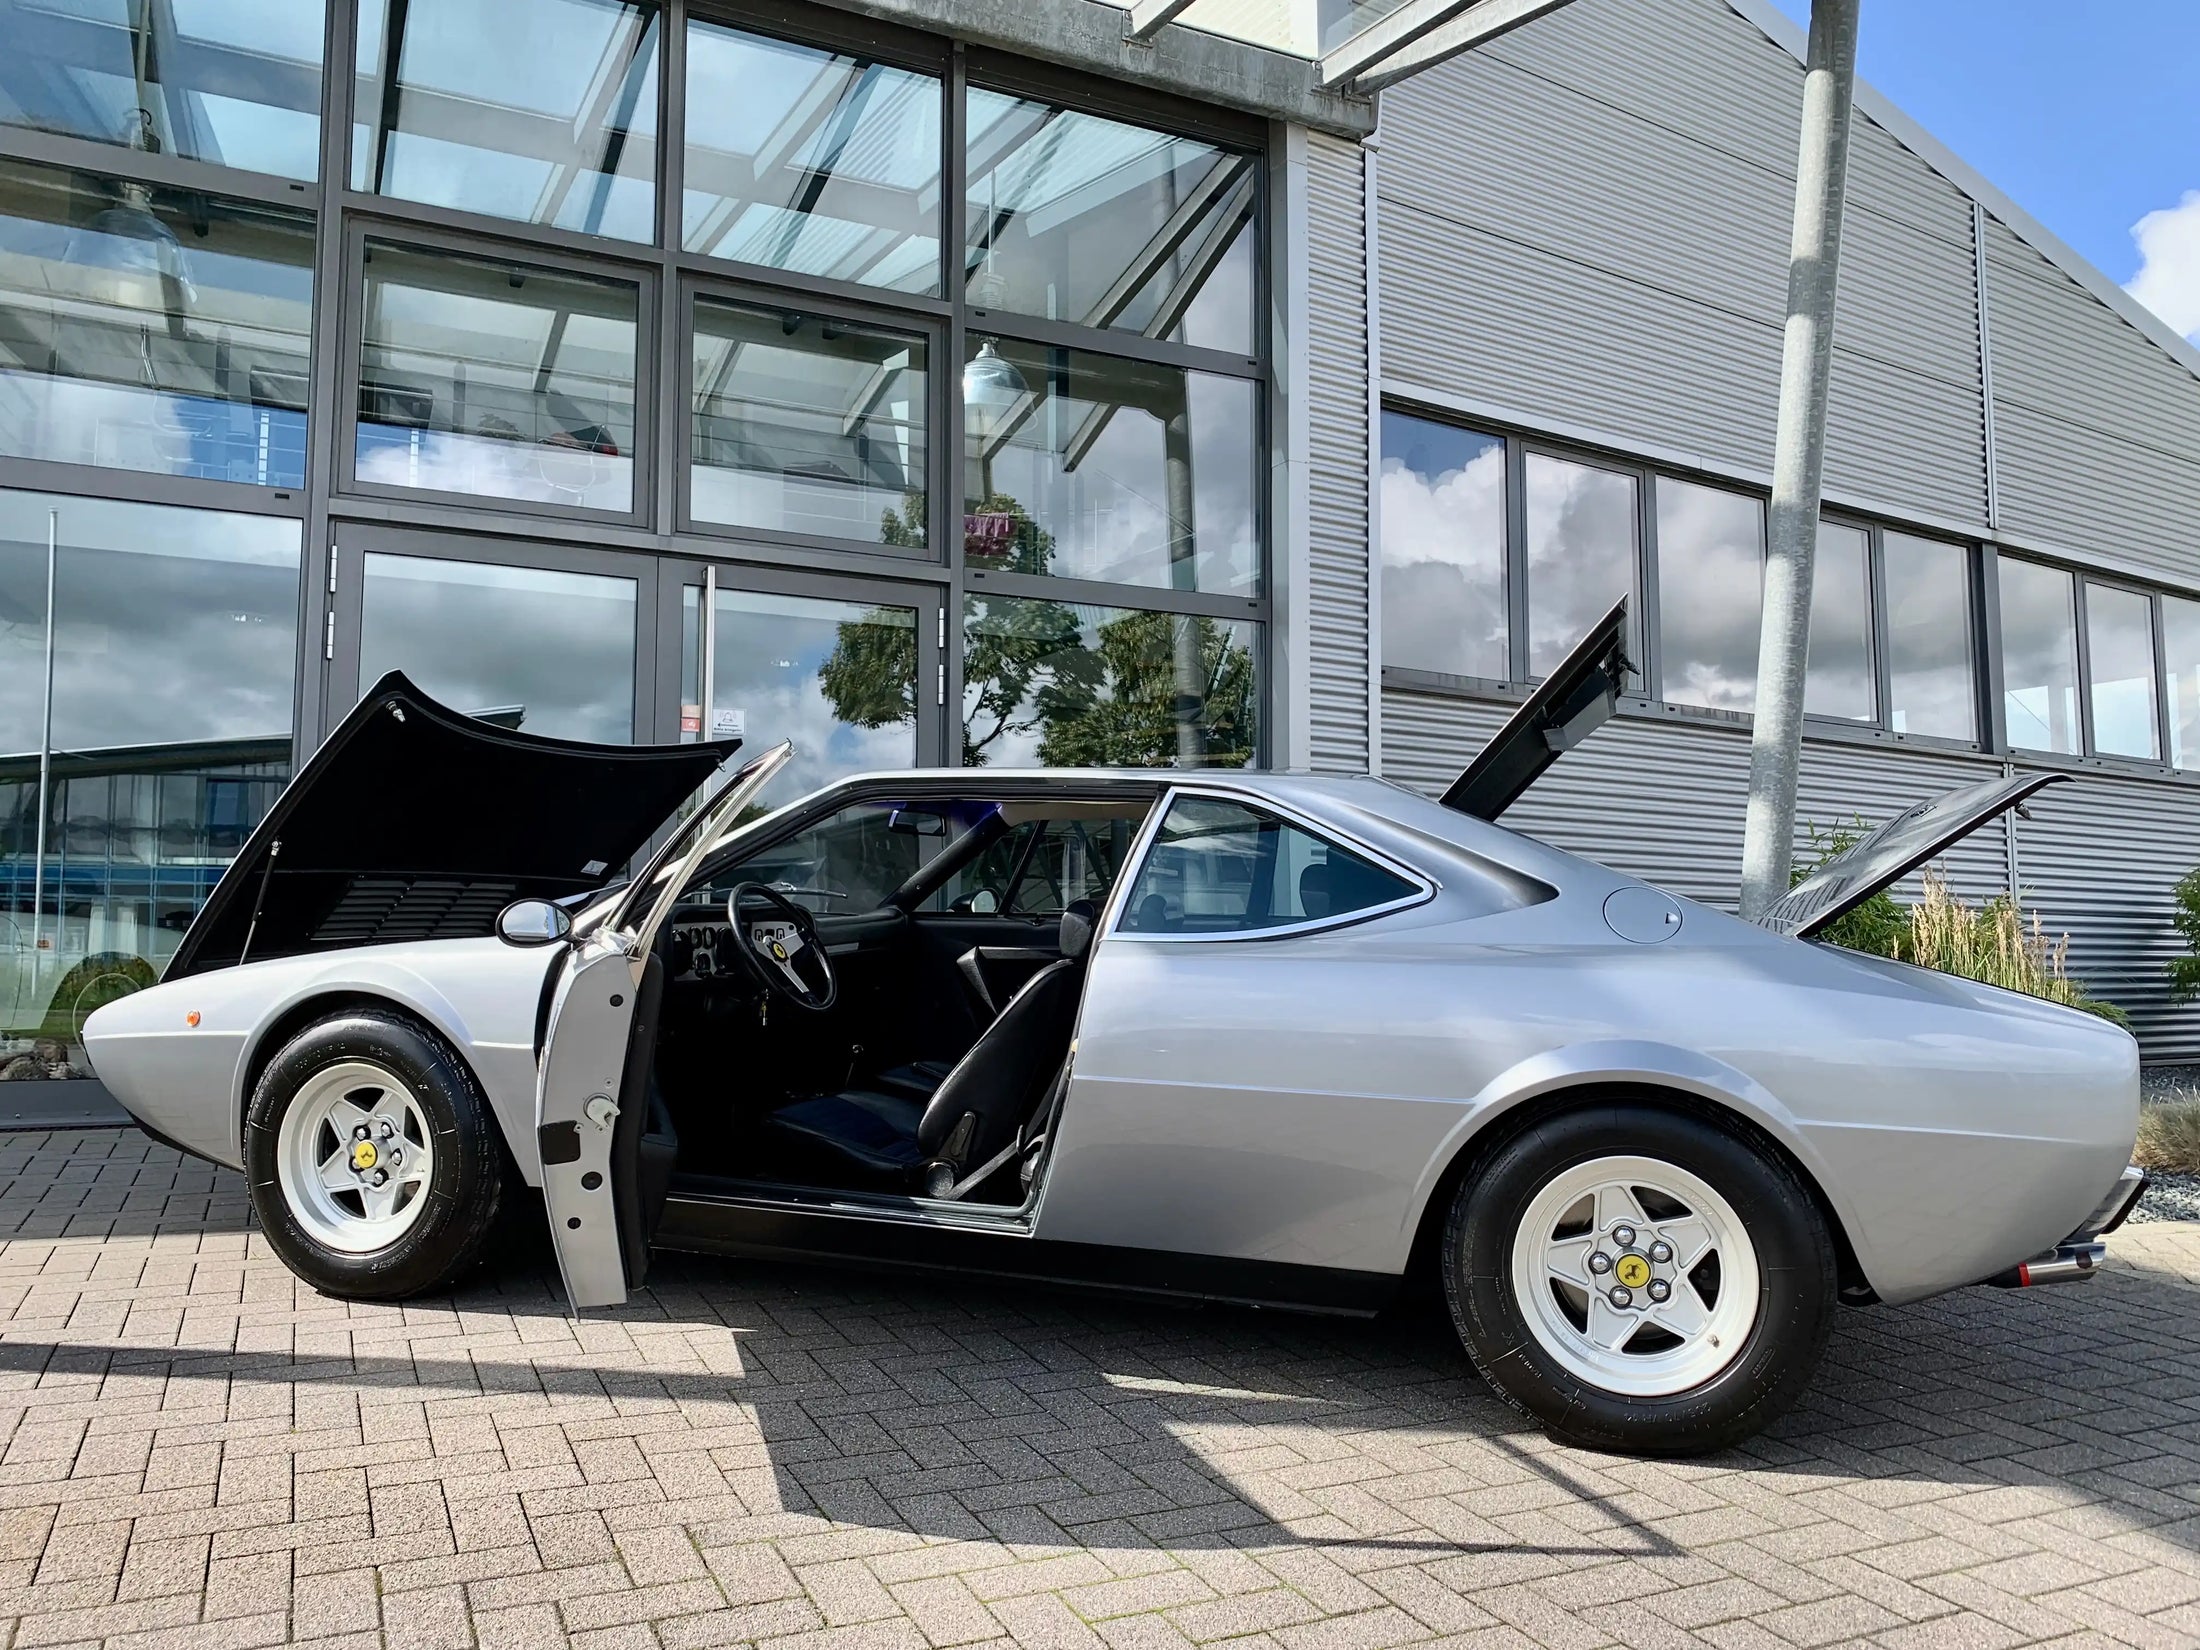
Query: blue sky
(2088, 116)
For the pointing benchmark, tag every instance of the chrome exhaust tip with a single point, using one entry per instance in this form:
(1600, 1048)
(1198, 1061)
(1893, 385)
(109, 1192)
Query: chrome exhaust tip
(2065, 1263)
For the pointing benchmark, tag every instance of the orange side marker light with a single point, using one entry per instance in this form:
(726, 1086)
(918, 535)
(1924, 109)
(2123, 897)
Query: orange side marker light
(192, 1018)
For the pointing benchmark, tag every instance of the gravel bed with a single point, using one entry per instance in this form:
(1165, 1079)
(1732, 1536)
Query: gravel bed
(2158, 1085)
(2169, 1197)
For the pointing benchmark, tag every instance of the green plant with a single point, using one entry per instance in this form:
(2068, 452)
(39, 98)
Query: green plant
(1876, 926)
(2169, 1137)
(2184, 972)
(1997, 943)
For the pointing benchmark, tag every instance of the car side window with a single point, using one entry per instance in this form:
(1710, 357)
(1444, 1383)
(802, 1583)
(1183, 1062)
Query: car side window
(1041, 866)
(852, 859)
(1221, 867)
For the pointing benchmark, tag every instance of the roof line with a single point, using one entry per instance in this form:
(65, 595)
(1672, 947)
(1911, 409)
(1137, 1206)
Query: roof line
(1790, 37)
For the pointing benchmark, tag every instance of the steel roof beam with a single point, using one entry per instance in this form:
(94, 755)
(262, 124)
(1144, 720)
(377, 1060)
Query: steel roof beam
(1419, 35)
(1148, 15)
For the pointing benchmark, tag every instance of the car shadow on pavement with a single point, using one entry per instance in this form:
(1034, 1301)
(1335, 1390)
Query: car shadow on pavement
(760, 1400)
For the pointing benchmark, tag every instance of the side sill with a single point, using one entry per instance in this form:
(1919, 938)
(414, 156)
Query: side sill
(756, 1228)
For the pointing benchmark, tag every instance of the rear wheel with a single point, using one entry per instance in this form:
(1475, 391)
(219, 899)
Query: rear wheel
(374, 1161)
(1640, 1280)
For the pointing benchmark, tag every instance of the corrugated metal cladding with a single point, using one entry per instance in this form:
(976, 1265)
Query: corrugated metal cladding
(2098, 860)
(1338, 617)
(2097, 427)
(1587, 222)
(1664, 802)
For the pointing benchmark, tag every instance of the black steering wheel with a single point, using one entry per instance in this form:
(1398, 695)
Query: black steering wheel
(786, 958)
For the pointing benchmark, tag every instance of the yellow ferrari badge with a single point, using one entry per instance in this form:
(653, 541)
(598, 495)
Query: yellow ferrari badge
(363, 1155)
(1633, 1271)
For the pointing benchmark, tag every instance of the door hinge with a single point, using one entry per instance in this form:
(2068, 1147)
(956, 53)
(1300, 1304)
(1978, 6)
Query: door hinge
(940, 691)
(328, 639)
(332, 570)
(942, 616)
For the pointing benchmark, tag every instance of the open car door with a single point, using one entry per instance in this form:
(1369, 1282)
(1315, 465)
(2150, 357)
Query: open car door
(1893, 851)
(1572, 702)
(604, 1166)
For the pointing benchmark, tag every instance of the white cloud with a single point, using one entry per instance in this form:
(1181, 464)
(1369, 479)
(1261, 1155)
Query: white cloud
(2168, 281)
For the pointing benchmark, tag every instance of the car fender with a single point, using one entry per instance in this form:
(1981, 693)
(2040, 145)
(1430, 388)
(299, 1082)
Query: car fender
(1641, 1063)
(479, 1013)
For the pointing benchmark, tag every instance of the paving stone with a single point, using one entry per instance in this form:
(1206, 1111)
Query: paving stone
(198, 1451)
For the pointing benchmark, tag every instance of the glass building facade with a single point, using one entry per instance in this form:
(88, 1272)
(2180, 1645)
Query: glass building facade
(645, 372)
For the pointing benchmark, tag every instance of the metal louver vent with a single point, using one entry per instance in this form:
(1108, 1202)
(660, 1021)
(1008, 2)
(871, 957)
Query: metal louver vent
(392, 910)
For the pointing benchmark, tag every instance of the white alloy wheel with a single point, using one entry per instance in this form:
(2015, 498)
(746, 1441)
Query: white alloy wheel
(1635, 1275)
(355, 1157)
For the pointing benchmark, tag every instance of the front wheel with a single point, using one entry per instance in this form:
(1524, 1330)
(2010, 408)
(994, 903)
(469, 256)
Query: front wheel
(374, 1162)
(1640, 1280)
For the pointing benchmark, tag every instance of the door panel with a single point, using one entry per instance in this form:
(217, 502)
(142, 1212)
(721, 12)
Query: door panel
(604, 1163)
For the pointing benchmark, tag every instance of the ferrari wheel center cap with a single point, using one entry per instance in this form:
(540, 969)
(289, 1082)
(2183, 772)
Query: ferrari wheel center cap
(1632, 1270)
(364, 1156)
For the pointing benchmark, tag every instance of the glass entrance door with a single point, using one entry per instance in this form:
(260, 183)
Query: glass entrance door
(530, 635)
(848, 670)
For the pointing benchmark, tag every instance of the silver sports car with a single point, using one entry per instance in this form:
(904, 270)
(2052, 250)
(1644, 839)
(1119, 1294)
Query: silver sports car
(1270, 1037)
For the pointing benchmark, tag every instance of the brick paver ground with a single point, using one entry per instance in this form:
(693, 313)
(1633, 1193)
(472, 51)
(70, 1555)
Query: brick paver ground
(198, 1450)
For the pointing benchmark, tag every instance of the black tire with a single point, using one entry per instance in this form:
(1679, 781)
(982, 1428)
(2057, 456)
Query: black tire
(1797, 1269)
(469, 1185)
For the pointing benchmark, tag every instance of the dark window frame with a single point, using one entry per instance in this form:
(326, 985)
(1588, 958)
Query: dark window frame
(885, 318)
(1644, 697)
(351, 349)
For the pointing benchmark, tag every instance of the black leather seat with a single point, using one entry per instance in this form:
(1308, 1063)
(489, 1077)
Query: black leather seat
(874, 1136)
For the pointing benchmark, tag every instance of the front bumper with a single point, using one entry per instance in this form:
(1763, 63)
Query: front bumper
(2080, 1254)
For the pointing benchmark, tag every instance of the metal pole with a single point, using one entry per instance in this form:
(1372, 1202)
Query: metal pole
(1799, 453)
(1184, 628)
(45, 769)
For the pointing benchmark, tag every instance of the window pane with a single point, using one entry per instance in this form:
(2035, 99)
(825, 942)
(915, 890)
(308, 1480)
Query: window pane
(1219, 867)
(2039, 656)
(496, 379)
(1443, 506)
(2119, 632)
(1711, 568)
(1108, 225)
(1581, 553)
(1838, 677)
(852, 859)
(548, 120)
(175, 650)
(812, 161)
(1929, 683)
(808, 424)
(234, 82)
(545, 651)
(1048, 684)
(2181, 644)
(1092, 467)
(1041, 866)
(147, 329)
(837, 678)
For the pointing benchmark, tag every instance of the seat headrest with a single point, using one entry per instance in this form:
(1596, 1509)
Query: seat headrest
(1314, 891)
(1077, 926)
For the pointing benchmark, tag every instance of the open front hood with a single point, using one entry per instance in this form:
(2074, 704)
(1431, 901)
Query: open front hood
(1573, 702)
(1896, 849)
(414, 822)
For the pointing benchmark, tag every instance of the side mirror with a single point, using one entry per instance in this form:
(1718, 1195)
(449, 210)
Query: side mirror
(984, 903)
(533, 922)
